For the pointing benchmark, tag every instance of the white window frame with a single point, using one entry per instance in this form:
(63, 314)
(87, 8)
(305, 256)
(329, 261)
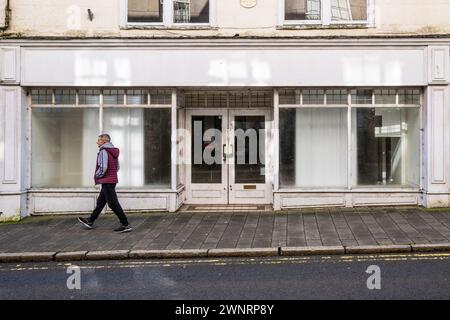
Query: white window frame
(326, 19)
(350, 185)
(167, 17)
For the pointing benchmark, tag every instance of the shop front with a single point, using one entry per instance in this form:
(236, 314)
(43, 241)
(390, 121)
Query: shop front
(288, 126)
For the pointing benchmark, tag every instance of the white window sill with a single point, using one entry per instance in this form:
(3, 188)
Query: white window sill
(354, 190)
(340, 25)
(96, 190)
(145, 26)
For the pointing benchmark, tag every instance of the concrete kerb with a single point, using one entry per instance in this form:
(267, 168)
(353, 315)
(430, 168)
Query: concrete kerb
(244, 252)
(431, 247)
(319, 250)
(27, 257)
(218, 253)
(108, 255)
(71, 256)
(378, 249)
(152, 254)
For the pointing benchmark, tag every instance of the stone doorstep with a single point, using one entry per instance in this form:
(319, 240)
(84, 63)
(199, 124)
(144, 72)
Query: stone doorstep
(225, 252)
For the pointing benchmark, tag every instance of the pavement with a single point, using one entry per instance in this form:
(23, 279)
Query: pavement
(323, 231)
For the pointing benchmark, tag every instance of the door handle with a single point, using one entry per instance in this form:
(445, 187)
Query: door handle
(224, 154)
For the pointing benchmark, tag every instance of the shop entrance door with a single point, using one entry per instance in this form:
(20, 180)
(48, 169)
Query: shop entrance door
(227, 157)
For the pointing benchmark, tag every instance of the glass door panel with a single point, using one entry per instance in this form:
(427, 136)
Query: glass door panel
(249, 149)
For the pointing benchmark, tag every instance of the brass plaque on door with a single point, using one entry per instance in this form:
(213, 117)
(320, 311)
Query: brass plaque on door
(249, 186)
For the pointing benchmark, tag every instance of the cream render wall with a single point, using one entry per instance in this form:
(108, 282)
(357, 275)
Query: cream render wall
(69, 18)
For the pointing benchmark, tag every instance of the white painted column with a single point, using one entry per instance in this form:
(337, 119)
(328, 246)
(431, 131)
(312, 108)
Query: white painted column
(174, 152)
(13, 160)
(13, 142)
(276, 150)
(437, 131)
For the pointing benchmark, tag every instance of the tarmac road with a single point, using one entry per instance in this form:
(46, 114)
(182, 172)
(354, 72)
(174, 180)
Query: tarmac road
(402, 276)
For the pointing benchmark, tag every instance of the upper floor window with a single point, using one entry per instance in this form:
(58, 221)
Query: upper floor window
(145, 11)
(302, 10)
(349, 10)
(169, 12)
(326, 12)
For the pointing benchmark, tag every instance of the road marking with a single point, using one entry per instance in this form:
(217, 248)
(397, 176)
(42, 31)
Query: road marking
(232, 261)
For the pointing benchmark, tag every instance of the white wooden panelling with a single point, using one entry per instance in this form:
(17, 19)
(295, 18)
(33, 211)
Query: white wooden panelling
(144, 203)
(305, 200)
(385, 199)
(437, 126)
(439, 68)
(58, 204)
(9, 67)
(224, 66)
(260, 194)
(10, 109)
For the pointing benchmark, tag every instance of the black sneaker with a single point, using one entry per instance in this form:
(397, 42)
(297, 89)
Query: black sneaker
(123, 229)
(85, 222)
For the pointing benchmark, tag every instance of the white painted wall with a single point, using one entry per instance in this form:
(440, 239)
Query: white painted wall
(69, 17)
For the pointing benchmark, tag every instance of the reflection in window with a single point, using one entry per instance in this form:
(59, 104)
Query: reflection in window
(63, 147)
(387, 146)
(191, 11)
(313, 147)
(409, 96)
(302, 10)
(145, 10)
(206, 169)
(161, 96)
(41, 96)
(385, 96)
(113, 96)
(144, 139)
(289, 96)
(362, 96)
(89, 96)
(337, 96)
(65, 96)
(348, 10)
(249, 149)
(137, 96)
(313, 96)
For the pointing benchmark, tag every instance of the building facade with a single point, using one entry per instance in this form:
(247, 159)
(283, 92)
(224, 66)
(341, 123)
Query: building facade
(289, 103)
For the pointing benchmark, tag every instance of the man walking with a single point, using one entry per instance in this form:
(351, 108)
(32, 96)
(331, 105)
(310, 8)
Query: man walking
(106, 175)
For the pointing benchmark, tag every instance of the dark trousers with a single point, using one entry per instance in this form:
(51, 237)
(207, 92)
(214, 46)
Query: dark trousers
(108, 196)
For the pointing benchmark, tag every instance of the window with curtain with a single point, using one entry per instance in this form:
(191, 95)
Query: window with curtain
(143, 136)
(63, 147)
(313, 147)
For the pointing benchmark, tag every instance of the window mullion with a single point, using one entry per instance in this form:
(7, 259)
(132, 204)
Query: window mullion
(326, 12)
(168, 13)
